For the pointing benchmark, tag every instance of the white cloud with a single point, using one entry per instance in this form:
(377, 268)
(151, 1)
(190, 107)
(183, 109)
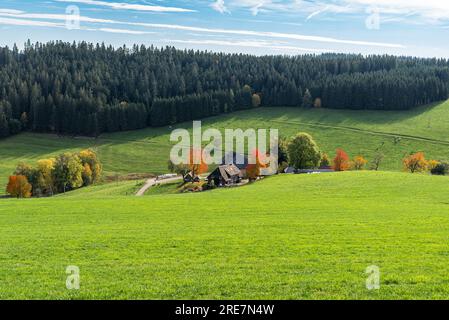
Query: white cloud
(30, 23)
(249, 44)
(426, 11)
(25, 20)
(129, 6)
(123, 31)
(291, 36)
(10, 11)
(220, 6)
(46, 16)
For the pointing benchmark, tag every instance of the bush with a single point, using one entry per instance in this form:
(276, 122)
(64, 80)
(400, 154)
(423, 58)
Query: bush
(441, 169)
(325, 161)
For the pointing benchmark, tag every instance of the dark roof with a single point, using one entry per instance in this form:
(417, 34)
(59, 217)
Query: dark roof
(234, 161)
(226, 172)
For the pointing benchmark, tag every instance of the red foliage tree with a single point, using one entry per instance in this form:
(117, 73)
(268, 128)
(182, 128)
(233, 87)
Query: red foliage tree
(341, 161)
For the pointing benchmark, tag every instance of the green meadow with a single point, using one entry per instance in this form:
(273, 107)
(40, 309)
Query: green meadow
(358, 132)
(286, 237)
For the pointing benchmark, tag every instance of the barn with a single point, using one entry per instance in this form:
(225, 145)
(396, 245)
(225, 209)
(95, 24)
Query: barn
(225, 175)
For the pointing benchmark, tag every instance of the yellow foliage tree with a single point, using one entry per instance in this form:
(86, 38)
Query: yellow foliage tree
(415, 163)
(90, 157)
(432, 164)
(87, 174)
(359, 163)
(45, 169)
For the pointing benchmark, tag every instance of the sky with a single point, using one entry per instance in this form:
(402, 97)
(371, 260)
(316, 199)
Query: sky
(260, 27)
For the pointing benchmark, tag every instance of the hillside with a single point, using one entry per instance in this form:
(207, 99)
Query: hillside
(314, 242)
(358, 132)
(88, 89)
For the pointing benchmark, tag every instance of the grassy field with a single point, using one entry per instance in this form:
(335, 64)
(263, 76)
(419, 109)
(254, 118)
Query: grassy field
(358, 132)
(112, 189)
(287, 237)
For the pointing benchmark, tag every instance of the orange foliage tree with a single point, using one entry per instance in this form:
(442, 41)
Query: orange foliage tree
(341, 161)
(415, 163)
(197, 165)
(254, 170)
(359, 163)
(19, 187)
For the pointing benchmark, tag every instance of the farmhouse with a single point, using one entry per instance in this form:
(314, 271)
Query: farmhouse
(225, 175)
(239, 160)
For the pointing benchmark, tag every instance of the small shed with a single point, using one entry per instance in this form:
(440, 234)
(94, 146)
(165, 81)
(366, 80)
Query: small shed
(225, 175)
(190, 177)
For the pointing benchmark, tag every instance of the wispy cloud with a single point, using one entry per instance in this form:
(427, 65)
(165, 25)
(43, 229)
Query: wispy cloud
(46, 16)
(291, 36)
(129, 6)
(220, 6)
(26, 19)
(429, 11)
(123, 31)
(249, 44)
(29, 23)
(10, 11)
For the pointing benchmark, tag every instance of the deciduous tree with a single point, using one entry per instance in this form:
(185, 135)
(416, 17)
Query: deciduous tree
(415, 163)
(303, 152)
(341, 161)
(359, 163)
(19, 187)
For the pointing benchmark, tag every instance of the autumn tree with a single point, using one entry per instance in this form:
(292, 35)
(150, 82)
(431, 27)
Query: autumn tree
(303, 152)
(87, 175)
(19, 187)
(197, 163)
(28, 171)
(68, 172)
(325, 161)
(253, 170)
(415, 163)
(256, 101)
(341, 161)
(359, 163)
(90, 158)
(44, 176)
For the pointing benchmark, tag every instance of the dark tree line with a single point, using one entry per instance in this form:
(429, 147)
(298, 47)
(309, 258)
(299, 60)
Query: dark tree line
(87, 89)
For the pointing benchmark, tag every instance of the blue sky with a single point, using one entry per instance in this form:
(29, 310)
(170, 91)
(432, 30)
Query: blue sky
(401, 27)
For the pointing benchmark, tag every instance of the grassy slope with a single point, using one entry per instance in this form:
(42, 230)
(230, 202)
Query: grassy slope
(112, 189)
(314, 241)
(146, 151)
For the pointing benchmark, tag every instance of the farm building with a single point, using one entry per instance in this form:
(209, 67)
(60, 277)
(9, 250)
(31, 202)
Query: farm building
(239, 160)
(225, 175)
(291, 170)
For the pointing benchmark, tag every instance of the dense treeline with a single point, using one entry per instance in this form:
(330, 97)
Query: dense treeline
(89, 89)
